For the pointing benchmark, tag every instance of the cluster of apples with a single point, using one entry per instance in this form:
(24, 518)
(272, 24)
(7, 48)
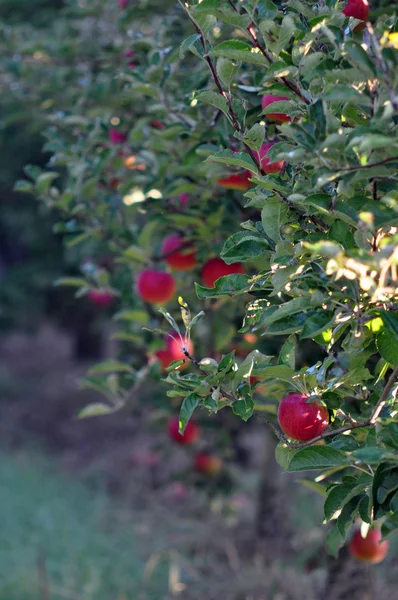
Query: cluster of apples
(203, 462)
(159, 286)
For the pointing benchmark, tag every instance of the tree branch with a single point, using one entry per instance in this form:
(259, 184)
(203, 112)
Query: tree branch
(368, 166)
(250, 29)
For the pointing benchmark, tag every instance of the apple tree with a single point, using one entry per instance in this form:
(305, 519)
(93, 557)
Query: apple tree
(236, 165)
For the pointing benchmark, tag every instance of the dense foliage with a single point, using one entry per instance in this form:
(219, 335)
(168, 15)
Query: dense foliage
(157, 127)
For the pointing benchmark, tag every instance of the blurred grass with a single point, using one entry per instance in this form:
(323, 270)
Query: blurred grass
(60, 538)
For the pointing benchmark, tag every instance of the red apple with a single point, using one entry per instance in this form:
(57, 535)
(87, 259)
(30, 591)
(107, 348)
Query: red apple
(101, 297)
(277, 117)
(302, 420)
(358, 9)
(155, 286)
(183, 200)
(128, 58)
(207, 464)
(370, 548)
(157, 124)
(191, 433)
(239, 181)
(116, 136)
(216, 268)
(266, 165)
(181, 259)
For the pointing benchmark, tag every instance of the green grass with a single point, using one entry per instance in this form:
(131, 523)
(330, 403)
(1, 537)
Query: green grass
(89, 554)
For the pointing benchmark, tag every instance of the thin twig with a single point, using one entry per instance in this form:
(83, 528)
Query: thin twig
(250, 29)
(369, 165)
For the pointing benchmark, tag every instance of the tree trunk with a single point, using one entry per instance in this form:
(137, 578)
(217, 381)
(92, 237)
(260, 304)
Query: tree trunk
(348, 579)
(273, 532)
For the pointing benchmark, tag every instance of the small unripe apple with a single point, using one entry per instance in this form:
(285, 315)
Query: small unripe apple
(181, 259)
(191, 433)
(207, 464)
(155, 286)
(238, 181)
(116, 136)
(215, 268)
(266, 165)
(371, 548)
(277, 117)
(101, 297)
(302, 420)
(358, 9)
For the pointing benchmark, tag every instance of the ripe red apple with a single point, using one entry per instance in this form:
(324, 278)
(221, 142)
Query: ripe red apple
(370, 548)
(173, 352)
(238, 181)
(129, 58)
(358, 9)
(101, 297)
(277, 117)
(157, 124)
(207, 464)
(183, 200)
(301, 420)
(116, 136)
(266, 165)
(181, 258)
(215, 268)
(191, 433)
(155, 286)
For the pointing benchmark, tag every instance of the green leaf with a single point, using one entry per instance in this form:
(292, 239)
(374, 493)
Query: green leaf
(344, 93)
(339, 495)
(237, 159)
(229, 285)
(137, 316)
(44, 181)
(238, 50)
(243, 408)
(23, 186)
(254, 138)
(319, 488)
(284, 455)
(170, 319)
(387, 339)
(110, 366)
(287, 309)
(96, 409)
(316, 457)
(287, 354)
(215, 99)
(226, 70)
(371, 455)
(187, 43)
(244, 246)
(334, 540)
(187, 408)
(317, 323)
(274, 214)
(71, 282)
(287, 30)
